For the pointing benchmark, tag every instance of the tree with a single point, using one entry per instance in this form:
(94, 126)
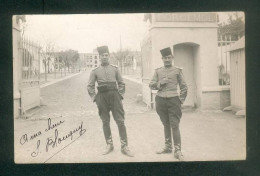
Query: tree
(47, 52)
(121, 56)
(69, 58)
(234, 29)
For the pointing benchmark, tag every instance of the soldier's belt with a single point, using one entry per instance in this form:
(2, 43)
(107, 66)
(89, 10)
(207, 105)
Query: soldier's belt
(105, 88)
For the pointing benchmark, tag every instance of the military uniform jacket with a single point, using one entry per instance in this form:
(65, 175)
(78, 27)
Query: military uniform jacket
(175, 78)
(105, 74)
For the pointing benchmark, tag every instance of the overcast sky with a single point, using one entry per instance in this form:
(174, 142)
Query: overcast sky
(85, 32)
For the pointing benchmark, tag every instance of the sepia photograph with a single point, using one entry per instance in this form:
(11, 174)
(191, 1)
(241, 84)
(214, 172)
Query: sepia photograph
(129, 87)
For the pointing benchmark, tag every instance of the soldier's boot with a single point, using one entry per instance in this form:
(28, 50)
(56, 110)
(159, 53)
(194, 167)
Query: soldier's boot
(177, 153)
(127, 152)
(110, 146)
(164, 151)
(123, 139)
(167, 148)
(108, 149)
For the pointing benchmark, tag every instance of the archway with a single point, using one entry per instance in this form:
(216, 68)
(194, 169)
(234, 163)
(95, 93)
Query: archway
(187, 57)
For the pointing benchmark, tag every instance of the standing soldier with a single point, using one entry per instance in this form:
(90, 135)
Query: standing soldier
(168, 102)
(111, 89)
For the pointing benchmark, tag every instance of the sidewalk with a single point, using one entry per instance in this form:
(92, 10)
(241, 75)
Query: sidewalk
(133, 78)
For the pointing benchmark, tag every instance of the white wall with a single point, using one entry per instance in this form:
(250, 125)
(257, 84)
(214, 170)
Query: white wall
(197, 72)
(206, 38)
(183, 54)
(147, 56)
(203, 35)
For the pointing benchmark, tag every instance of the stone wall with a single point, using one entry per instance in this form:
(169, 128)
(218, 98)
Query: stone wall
(215, 100)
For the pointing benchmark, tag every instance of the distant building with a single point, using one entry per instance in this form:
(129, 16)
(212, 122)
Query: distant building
(91, 60)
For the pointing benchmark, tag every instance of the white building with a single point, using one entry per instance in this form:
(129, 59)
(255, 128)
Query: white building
(193, 40)
(91, 60)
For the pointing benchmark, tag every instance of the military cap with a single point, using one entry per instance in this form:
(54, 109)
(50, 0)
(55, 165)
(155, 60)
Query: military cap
(102, 50)
(166, 52)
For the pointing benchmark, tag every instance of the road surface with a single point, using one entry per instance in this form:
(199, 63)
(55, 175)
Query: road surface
(67, 129)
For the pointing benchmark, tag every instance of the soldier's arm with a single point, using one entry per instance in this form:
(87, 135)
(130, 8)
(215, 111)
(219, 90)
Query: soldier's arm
(154, 83)
(183, 87)
(120, 82)
(91, 86)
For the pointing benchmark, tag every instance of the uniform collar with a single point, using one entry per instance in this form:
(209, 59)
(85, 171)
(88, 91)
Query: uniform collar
(104, 65)
(168, 67)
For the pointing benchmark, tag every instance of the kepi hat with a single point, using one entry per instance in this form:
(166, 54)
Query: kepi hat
(166, 52)
(102, 50)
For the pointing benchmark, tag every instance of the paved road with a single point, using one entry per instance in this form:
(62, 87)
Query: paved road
(71, 96)
(205, 136)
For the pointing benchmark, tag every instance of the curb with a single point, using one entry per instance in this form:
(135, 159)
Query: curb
(59, 80)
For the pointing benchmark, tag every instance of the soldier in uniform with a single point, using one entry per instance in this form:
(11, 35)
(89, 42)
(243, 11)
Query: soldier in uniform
(168, 102)
(111, 89)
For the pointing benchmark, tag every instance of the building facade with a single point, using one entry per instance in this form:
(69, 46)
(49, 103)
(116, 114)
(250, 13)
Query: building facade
(91, 60)
(193, 40)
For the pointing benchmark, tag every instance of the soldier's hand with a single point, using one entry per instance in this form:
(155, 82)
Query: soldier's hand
(121, 96)
(180, 100)
(94, 98)
(164, 81)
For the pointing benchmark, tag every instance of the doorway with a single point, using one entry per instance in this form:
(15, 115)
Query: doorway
(186, 56)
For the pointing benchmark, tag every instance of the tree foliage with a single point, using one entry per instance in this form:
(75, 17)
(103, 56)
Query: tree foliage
(47, 52)
(68, 57)
(121, 56)
(235, 27)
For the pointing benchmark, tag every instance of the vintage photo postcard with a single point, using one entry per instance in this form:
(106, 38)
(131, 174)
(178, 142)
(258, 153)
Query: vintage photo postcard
(105, 88)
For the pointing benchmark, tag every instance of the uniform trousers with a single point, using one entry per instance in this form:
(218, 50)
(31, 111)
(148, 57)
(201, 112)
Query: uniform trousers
(169, 110)
(111, 101)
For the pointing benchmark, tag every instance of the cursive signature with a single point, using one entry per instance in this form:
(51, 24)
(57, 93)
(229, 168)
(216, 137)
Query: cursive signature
(53, 142)
(36, 152)
(52, 126)
(24, 137)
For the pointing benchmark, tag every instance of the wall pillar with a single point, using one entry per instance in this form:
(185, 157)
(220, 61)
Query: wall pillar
(17, 66)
